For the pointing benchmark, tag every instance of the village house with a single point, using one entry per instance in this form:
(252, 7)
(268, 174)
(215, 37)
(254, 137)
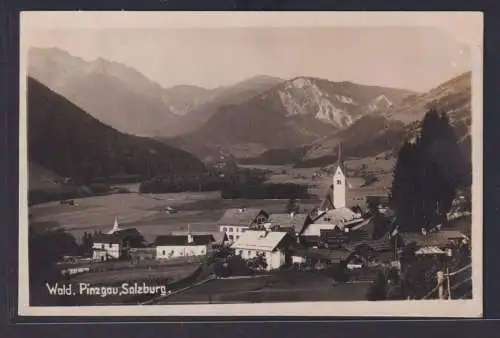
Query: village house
(235, 222)
(320, 258)
(343, 220)
(218, 238)
(272, 246)
(187, 245)
(293, 223)
(436, 242)
(115, 244)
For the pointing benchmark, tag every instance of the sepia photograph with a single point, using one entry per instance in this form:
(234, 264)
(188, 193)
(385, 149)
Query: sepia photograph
(250, 164)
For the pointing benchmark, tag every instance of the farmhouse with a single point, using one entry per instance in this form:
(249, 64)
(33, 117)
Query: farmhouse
(114, 246)
(271, 246)
(343, 220)
(441, 239)
(293, 223)
(219, 238)
(324, 256)
(171, 246)
(234, 222)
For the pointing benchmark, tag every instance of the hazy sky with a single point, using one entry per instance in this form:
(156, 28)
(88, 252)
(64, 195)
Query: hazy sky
(416, 58)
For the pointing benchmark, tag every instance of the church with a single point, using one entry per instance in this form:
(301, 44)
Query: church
(333, 213)
(115, 244)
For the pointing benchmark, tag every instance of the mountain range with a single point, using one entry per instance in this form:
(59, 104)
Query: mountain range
(262, 119)
(122, 97)
(290, 114)
(385, 132)
(65, 141)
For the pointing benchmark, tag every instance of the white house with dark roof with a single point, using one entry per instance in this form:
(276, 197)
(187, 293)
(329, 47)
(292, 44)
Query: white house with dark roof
(344, 219)
(187, 245)
(115, 243)
(272, 246)
(235, 222)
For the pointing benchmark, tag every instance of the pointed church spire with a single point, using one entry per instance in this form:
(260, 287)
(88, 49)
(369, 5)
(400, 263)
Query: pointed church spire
(339, 154)
(115, 225)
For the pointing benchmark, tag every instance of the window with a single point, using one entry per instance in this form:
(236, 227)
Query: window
(231, 237)
(240, 252)
(230, 229)
(224, 229)
(163, 252)
(243, 230)
(249, 252)
(236, 229)
(237, 237)
(339, 182)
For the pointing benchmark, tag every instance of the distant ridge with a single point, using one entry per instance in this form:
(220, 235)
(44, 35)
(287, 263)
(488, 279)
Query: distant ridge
(68, 142)
(290, 114)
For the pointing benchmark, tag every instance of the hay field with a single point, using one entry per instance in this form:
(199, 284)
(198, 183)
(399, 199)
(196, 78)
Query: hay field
(99, 212)
(200, 210)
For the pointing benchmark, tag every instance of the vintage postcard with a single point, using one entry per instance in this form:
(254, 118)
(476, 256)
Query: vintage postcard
(251, 164)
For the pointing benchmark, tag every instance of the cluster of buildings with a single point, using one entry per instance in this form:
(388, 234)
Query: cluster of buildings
(128, 243)
(334, 234)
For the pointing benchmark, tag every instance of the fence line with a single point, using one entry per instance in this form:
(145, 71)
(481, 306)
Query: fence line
(451, 287)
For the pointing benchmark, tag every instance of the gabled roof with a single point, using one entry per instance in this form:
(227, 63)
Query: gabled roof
(218, 236)
(339, 217)
(439, 238)
(286, 220)
(429, 250)
(377, 245)
(243, 216)
(328, 199)
(259, 240)
(182, 240)
(115, 237)
(333, 256)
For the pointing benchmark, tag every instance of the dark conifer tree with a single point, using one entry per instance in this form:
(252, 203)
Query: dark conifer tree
(427, 173)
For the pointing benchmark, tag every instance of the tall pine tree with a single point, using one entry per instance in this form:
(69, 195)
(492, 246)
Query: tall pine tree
(427, 174)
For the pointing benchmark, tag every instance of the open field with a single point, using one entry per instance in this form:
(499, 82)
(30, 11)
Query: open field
(200, 210)
(287, 287)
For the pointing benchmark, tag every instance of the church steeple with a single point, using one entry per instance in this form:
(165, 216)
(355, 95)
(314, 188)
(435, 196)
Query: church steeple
(339, 183)
(116, 227)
